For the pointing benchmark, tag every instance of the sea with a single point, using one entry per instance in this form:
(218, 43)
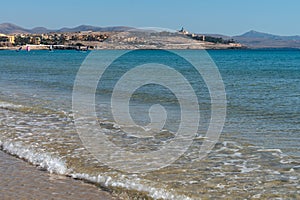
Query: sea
(256, 156)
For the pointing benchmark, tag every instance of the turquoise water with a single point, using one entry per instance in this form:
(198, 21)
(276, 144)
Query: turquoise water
(263, 96)
(257, 155)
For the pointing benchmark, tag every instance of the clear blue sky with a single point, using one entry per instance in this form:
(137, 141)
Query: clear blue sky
(231, 17)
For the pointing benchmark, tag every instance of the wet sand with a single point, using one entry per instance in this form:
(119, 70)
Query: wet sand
(20, 180)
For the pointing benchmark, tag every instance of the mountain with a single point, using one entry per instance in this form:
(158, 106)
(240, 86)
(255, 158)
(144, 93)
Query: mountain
(8, 28)
(40, 30)
(95, 28)
(255, 39)
(256, 34)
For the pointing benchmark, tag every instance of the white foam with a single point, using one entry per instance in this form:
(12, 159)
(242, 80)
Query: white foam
(43, 160)
(256, 196)
(270, 150)
(286, 161)
(237, 154)
(7, 105)
(56, 165)
(155, 193)
(245, 169)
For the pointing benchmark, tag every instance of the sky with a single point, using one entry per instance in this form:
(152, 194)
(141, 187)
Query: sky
(228, 17)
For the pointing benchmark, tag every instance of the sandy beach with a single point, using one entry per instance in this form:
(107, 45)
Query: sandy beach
(20, 180)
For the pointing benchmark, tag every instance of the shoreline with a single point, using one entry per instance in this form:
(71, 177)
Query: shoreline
(121, 48)
(127, 47)
(21, 180)
(114, 46)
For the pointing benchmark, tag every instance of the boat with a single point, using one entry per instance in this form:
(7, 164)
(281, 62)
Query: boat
(82, 49)
(19, 49)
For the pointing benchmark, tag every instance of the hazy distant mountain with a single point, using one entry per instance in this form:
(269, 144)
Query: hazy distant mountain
(40, 30)
(95, 28)
(254, 39)
(256, 34)
(8, 28)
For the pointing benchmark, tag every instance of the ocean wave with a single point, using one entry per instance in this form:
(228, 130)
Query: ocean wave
(7, 105)
(155, 193)
(54, 164)
(46, 161)
(13, 106)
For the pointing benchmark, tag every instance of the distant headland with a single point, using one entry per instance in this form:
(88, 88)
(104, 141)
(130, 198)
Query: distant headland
(123, 37)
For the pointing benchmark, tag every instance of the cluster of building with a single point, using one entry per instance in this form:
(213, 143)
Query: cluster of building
(51, 38)
(192, 35)
(7, 40)
(207, 38)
